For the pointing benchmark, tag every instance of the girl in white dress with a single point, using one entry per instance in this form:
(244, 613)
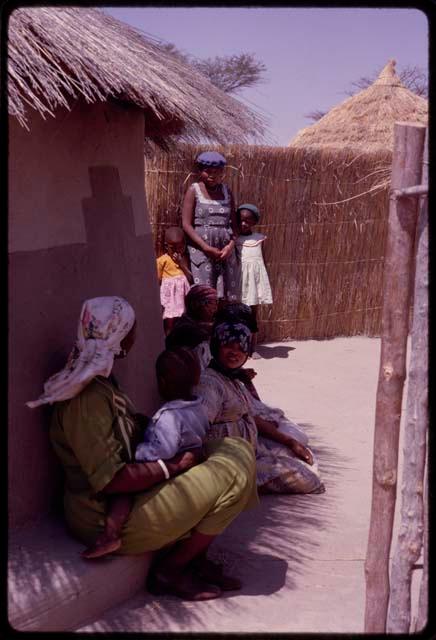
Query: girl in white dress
(256, 288)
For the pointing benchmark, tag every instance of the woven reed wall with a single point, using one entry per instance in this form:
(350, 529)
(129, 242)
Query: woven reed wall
(325, 261)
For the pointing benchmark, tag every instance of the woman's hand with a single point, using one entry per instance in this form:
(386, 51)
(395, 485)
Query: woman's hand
(249, 373)
(269, 429)
(213, 253)
(301, 451)
(227, 250)
(185, 460)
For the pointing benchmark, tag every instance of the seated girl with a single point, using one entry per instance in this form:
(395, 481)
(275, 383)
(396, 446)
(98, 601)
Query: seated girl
(194, 327)
(179, 425)
(284, 463)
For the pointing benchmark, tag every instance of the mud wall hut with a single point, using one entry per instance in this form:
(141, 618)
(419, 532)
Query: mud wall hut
(85, 93)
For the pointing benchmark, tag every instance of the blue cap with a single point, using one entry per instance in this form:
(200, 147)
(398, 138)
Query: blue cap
(211, 159)
(250, 207)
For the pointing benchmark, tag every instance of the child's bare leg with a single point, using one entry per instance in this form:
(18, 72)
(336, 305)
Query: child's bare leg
(254, 354)
(109, 540)
(168, 324)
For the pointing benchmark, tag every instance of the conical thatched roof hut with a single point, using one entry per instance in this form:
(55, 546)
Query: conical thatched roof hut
(56, 55)
(366, 120)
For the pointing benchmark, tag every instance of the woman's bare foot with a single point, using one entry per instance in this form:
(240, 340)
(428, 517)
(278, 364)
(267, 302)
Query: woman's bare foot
(213, 573)
(102, 547)
(184, 585)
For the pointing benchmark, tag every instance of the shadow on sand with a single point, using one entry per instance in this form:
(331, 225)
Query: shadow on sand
(280, 351)
(268, 547)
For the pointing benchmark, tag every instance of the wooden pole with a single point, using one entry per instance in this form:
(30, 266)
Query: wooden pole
(422, 617)
(406, 172)
(410, 538)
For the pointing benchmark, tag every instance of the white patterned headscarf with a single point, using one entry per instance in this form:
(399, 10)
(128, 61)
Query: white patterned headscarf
(103, 324)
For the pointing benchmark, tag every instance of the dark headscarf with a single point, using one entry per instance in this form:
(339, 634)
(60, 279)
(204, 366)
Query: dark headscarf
(224, 333)
(187, 330)
(197, 296)
(237, 312)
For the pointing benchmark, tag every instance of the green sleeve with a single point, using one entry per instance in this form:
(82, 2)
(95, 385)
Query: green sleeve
(88, 428)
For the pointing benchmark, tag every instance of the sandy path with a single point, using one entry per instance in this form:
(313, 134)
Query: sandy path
(301, 557)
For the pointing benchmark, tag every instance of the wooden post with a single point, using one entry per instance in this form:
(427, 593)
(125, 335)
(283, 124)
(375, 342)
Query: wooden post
(406, 172)
(422, 617)
(410, 538)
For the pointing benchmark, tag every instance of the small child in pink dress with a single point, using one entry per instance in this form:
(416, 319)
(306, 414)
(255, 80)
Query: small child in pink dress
(174, 276)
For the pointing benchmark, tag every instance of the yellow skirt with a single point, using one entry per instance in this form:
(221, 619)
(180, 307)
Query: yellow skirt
(207, 498)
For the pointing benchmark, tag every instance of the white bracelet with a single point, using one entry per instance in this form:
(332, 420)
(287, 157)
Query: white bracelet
(164, 468)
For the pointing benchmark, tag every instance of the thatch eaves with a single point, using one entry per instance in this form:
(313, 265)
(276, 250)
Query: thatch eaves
(58, 54)
(366, 120)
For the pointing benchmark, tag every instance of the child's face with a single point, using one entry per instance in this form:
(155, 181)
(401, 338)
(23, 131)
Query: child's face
(231, 356)
(212, 176)
(177, 247)
(246, 221)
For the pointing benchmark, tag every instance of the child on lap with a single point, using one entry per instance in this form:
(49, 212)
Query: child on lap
(180, 424)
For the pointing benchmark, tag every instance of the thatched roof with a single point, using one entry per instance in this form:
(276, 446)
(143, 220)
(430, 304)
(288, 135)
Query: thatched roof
(58, 54)
(366, 120)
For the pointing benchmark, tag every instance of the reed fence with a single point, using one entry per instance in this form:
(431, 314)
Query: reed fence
(324, 212)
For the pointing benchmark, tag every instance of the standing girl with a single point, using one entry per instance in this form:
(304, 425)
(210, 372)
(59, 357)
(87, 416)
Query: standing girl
(209, 221)
(256, 288)
(174, 276)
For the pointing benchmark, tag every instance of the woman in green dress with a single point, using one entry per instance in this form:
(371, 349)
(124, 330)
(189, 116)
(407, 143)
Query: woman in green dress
(181, 504)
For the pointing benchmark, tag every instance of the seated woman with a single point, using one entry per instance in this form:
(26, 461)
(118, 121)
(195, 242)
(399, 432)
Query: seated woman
(185, 503)
(284, 463)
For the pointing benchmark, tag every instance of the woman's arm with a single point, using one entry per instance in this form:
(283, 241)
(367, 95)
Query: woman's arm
(87, 425)
(269, 430)
(233, 217)
(140, 476)
(226, 251)
(187, 218)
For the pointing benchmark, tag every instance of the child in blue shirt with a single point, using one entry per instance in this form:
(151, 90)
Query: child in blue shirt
(180, 424)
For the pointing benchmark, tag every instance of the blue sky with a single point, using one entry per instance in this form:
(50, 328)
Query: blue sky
(312, 55)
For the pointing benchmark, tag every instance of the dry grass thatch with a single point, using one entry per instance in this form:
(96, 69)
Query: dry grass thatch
(56, 55)
(366, 120)
(325, 261)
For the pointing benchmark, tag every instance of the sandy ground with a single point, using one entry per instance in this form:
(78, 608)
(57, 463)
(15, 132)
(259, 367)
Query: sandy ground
(301, 557)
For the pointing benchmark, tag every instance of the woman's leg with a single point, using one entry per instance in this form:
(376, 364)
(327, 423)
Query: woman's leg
(191, 510)
(280, 471)
(174, 573)
(232, 278)
(202, 270)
